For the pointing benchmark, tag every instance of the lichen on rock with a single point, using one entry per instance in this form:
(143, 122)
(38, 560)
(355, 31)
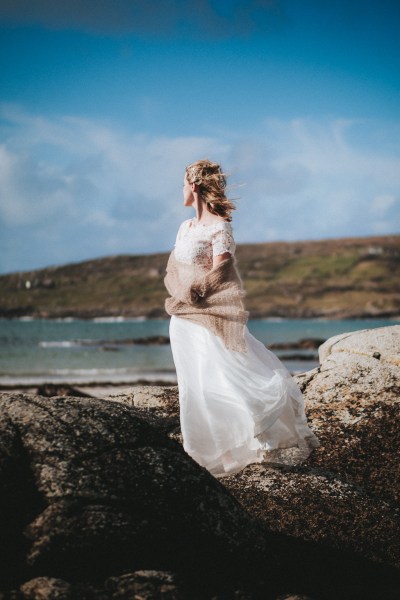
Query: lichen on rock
(347, 493)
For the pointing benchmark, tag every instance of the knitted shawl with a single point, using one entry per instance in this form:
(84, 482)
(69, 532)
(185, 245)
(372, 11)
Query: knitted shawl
(212, 299)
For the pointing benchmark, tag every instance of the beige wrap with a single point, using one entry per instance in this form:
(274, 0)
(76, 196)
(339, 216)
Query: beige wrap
(210, 298)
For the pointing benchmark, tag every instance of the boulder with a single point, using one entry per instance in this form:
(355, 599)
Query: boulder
(346, 494)
(381, 343)
(353, 400)
(90, 490)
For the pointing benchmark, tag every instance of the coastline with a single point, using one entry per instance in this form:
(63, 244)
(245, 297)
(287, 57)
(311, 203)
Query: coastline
(98, 387)
(89, 382)
(344, 278)
(91, 390)
(101, 317)
(120, 352)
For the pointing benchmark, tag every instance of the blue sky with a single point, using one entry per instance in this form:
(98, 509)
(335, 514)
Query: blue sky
(102, 104)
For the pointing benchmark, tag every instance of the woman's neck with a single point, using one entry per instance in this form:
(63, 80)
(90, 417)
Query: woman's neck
(203, 216)
(201, 213)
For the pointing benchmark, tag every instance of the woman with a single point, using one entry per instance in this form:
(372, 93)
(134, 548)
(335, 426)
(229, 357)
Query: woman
(238, 403)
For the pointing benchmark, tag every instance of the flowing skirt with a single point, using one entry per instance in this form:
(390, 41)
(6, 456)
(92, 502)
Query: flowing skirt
(236, 408)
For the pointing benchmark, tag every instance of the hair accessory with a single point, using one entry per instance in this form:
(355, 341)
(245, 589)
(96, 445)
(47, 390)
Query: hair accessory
(194, 175)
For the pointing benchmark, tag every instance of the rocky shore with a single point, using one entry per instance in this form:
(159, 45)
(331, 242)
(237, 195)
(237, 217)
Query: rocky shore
(99, 500)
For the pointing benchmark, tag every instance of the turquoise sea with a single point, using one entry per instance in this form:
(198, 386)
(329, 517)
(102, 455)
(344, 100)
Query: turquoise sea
(35, 351)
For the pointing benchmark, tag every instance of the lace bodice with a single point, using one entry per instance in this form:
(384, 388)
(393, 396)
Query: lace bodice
(199, 243)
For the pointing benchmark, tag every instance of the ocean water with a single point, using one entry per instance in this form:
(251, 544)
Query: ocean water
(36, 351)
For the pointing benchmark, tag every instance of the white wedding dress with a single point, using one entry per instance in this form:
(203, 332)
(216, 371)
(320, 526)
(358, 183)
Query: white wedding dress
(235, 408)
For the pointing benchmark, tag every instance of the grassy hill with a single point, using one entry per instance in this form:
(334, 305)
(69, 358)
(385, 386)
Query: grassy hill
(332, 278)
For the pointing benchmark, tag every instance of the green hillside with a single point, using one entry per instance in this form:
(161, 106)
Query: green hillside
(332, 278)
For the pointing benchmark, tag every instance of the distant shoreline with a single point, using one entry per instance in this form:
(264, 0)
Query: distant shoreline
(335, 279)
(101, 318)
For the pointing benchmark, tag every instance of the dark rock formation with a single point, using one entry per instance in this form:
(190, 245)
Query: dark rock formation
(90, 491)
(304, 343)
(151, 340)
(143, 585)
(49, 390)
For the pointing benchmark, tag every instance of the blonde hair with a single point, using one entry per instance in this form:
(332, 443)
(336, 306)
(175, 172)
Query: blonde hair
(211, 181)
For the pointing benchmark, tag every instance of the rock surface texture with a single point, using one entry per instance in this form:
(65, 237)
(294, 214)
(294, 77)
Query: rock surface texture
(347, 494)
(354, 400)
(99, 500)
(89, 490)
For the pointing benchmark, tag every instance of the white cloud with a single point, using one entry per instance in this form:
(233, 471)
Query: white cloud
(71, 188)
(86, 189)
(307, 180)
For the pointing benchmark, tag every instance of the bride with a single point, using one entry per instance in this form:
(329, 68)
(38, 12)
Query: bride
(238, 403)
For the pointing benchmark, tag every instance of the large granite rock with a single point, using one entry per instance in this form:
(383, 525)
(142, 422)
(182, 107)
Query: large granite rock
(90, 491)
(354, 403)
(346, 494)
